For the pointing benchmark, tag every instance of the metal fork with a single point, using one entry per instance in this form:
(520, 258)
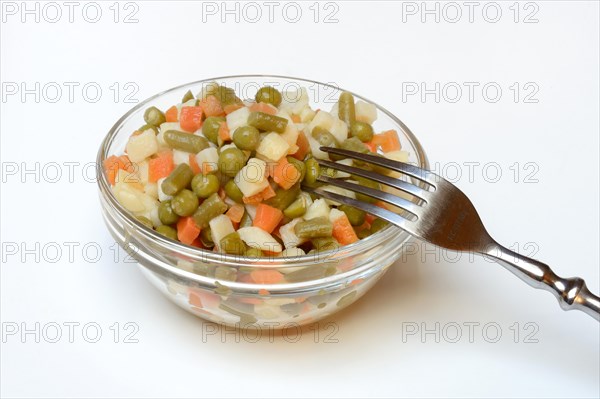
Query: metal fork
(444, 216)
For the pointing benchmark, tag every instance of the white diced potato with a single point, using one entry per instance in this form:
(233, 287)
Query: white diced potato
(256, 237)
(288, 235)
(400, 156)
(339, 173)
(128, 177)
(269, 312)
(142, 146)
(365, 112)
(207, 89)
(338, 190)
(151, 189)
(294, 101)
(290, 134)
(142, 171)
(273, 147)
(132, 199)
(237, 118)
(335, 214)
(169, 126)
(151, 215)
(307, 114)
(339, 130)
(251, 178)
(292, 252)
(161, 194)
(251, 209)
(180, 157)
(315, 148)
(307, 199)
(208, 159)
(323, 119)
(335, 110)
(318, 208)
(220, 226)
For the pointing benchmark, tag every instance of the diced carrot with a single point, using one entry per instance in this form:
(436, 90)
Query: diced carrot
(285, 174)
(387, 141)
(171, 114)
(263, 292)
(245, 278)
(263, 107)
(363, 226)
(222, 193)
(161, 166)
(112, 165)
(187, 230)
(267, 217)
(343, 231)
(268, 193)
(194, 164)
(224, 133)
(204, 299)
(266, 276)
(190, 118)
(371, 146)
(369, 218)
(195, 300)
(251, 301)
(357, 281)
(262, 196)
(381, 204)
(212, 106)
(303, 147)
(235, 213)
(270, 253)
(229, 108)
(197, 243)
(296, 118)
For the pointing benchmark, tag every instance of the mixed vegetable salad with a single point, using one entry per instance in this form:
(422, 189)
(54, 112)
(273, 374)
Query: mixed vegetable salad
(223, 174)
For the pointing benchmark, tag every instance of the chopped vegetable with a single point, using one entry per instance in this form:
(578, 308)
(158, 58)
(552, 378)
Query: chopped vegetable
(267, 217)
(190, 118)
(187, 231)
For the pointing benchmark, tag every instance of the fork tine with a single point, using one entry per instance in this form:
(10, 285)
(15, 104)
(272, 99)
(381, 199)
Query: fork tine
(371, 192)
(391, 217)
(411, 170)
(389, 181)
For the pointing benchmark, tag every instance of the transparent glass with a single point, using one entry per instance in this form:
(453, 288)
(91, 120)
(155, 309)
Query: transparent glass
(218, 287)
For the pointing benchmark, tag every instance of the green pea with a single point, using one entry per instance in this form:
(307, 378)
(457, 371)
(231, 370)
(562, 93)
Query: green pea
(178, 179)
(363, 131)
(148, 126)
(166, 215)
(187, 97)
(355, 215)
(205, 185)
(266, 122)
(246, 138)
(378, 224)
(212, 207)
(210, 128)
(231, 161)
(185, 141)
(323, 136)
(346, 110)
(167, 231)
(184, 203)
(313, 170)
(234, 192)
(206, 237)
(233, 244)
(154, 116)
(269, 95)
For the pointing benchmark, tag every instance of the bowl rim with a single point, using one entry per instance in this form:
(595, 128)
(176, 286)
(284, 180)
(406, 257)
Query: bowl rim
(233, 260)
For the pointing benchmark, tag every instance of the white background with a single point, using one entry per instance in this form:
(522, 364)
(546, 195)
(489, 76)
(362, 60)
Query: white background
(374, 49)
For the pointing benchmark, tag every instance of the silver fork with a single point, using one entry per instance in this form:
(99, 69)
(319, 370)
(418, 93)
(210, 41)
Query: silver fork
(444, 216)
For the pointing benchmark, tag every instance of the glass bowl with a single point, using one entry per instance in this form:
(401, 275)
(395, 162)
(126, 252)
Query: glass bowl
(218, 287)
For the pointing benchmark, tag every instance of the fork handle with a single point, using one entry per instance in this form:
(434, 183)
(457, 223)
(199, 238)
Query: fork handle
(572, 293)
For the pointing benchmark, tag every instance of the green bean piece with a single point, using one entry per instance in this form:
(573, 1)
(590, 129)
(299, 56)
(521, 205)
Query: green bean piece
(183, 141)
(325, 243)
(178, 179)
(212, 207)
(145, 221)
(314, 228)
(284, 198)
(253, 253)
(364, 233)
(226, 273)
(354, 144)
(187, 97)
(346, 108)
(185, 203)
(313, 170)
(167, 231)
(166, 215)
(355, 215)
(299, 165)
(234, 192)
(246, 138)
(269, 95)
(363, 131)
(378, 224)
(206, 237)
(246, 220)
(323, 136)
(266, 122)
(154, 116)
(367, 183)
(205, 185)
(210, 128)
(148, 126)
(225, 95)
(231, 161)
(233, 244)
(296, 208)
